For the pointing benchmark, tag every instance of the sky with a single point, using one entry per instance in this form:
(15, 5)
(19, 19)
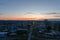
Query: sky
(29, 9)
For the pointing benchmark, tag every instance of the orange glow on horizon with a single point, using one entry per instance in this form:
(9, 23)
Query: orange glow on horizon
(27, 18)
(21, 18)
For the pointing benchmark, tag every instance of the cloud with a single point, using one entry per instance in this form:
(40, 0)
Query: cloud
(56, 16)
(28, 13)
(52, 13)
(1, 13)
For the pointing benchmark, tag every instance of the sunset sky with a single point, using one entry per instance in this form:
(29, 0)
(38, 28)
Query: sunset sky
(29, 9)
